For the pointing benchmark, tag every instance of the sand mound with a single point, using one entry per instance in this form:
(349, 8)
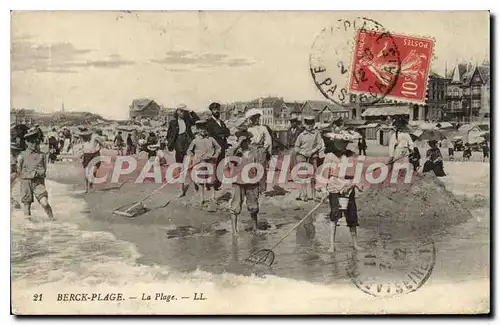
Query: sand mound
(422, 209)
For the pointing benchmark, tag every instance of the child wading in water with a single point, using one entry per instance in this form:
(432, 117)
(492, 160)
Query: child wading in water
(242, 187)
(203, 149)
(91, 149)
(32, 169)
(341, 186)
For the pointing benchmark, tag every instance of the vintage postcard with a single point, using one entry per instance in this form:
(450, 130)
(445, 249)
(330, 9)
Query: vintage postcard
(185, 163)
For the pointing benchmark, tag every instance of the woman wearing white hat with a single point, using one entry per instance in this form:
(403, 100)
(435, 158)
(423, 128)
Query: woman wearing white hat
(261, 141)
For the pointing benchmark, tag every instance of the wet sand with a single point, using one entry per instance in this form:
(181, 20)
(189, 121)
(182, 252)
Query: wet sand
(178, 233)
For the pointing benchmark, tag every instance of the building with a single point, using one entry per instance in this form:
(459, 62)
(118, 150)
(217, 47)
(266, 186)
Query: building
(287, 109)
(144, 108)
(271, 109)
(436, 97)
(383, 112)
(468, 93)
(324, 111)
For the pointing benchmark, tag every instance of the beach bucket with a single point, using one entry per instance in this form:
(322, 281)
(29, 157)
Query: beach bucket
(343, 201)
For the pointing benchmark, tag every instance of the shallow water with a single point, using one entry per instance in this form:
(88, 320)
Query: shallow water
(61, 255)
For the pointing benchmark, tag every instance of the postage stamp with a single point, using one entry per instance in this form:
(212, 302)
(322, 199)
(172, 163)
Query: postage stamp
(334, 71)
(376, 69)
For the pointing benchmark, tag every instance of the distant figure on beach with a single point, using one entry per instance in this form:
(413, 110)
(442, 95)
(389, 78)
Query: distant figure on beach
(446, 144)
(32, 169)
(119, 143)
(294, 130)
(179, 133)
(218, 130)
(53, 146)
(362, 145)
(130, 145)
(486, 150)
(92, 143)
(467, 154)
(67, 138)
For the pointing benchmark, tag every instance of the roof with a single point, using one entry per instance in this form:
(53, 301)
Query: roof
(433, 74)
(140, 104)
(318, 105)
(267, 102)
(386, 111)
(294, 107)
(484, 71)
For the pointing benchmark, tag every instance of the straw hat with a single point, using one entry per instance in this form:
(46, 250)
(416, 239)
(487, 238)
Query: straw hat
(32, 132)
(201, 122)
(182, 106)
(252, 112)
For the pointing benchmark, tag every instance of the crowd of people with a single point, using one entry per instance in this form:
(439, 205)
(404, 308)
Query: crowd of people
(205, 138)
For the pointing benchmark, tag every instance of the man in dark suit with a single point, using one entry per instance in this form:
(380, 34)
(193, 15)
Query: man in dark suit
(179, 133)
(217, 129)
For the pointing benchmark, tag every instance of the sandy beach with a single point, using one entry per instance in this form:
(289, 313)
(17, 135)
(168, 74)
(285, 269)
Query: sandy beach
(187, 248)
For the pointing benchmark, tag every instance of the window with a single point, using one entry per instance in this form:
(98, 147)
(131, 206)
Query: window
(476, 103)
(455, 92)
(466, 91)
(476, 90)
(449, 91)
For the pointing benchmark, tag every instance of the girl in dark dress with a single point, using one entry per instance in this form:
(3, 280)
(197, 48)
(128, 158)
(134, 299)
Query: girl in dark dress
(434, 160)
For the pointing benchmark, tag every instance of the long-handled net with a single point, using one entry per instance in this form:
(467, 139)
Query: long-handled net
(266, 256)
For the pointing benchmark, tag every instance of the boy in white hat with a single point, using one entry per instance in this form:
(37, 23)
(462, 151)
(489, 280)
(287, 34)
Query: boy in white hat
(203, 149)
(32, 169)
(243, 189)
(341, 186)
(308, 145)
(260, 142)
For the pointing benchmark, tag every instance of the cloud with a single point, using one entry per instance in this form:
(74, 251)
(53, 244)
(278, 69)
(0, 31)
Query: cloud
(206, 60)
(59, 57)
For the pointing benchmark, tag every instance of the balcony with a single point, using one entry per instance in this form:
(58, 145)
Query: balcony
(453, 97)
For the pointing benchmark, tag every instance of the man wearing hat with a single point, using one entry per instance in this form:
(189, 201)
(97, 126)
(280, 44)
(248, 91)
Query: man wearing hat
(261, 141)
(308, 146)
(179, 133)
(294, 130)
(32, 169)
(218, 130)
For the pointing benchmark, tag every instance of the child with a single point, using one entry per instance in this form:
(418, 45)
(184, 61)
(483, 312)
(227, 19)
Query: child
(243, 189)
(467, 152)
(32, 169)
(434, 160)
(91, 149)
(341, 186)
(307, 147)
(414, 158)
(119, 143)
(203, 149)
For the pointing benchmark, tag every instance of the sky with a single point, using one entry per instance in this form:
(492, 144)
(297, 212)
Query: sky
(100, 61)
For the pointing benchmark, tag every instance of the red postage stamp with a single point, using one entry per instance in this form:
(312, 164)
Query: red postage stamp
(399, 72)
